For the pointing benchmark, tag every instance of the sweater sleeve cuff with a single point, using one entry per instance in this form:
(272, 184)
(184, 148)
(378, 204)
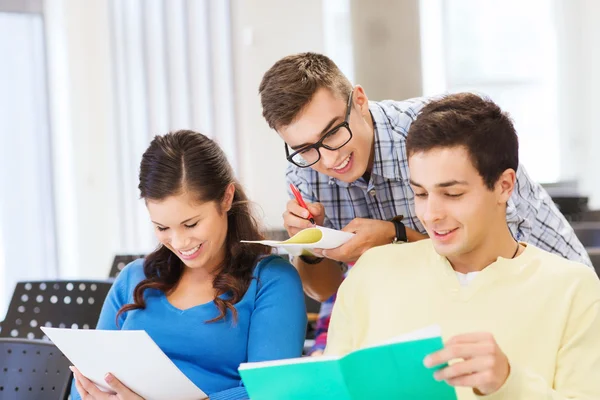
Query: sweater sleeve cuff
(521, 384)
(237, 393)
(511, 387)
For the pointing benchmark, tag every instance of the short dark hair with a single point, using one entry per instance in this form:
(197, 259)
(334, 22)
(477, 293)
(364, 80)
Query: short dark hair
(290, 84)
(471, 121)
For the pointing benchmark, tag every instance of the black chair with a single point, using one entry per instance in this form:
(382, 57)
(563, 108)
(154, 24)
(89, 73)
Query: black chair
(120, 261)
(594, 253)
(588, 233)
(63, 304)
(33, 370)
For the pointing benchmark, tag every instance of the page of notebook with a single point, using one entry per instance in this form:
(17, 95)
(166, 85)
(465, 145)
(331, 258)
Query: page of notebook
(422, 333)
(131, 356)
(318, 237)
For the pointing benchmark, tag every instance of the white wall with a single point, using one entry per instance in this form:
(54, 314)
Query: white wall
(81, 123)
(263, 32)
(579, 77)
(387, 48)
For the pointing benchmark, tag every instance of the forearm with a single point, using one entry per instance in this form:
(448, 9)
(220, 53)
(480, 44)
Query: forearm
(322, 280)
(414, 236)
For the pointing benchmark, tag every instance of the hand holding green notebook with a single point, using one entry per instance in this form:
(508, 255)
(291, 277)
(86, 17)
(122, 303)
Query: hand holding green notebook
(393, 370)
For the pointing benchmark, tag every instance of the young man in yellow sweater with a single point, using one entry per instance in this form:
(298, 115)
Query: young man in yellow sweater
(518, 322)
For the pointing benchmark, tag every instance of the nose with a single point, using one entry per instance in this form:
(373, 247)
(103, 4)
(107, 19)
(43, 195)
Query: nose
(329, 158)
(433, 209)
(179, 241)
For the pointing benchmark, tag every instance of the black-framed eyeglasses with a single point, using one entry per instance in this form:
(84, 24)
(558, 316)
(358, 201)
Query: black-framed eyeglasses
(335, 139)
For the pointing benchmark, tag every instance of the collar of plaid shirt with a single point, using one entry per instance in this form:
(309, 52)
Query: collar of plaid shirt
(390, 125)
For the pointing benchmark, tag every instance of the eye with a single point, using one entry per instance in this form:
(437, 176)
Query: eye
(161, 229)
(421, 195)
(454, 195)
(333, 132)
(192, 225)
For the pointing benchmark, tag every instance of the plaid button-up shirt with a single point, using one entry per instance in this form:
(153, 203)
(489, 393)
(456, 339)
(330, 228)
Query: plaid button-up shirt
(531, 214)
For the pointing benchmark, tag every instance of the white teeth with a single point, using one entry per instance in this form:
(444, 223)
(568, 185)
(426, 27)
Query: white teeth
(190, 252)
(343, 165)
(443, 232)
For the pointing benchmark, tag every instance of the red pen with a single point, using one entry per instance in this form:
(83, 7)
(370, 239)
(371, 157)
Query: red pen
(300, 201)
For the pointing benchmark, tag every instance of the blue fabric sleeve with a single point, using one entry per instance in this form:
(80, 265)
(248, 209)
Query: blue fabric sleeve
(120, 293)
(236, 393)
(278, 324)
(117, 296)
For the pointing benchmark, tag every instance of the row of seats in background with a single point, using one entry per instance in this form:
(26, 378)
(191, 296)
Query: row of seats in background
(31, 367)
(585, 222)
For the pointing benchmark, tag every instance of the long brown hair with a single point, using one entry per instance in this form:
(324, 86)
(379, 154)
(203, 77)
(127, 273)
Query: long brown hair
(189, 161)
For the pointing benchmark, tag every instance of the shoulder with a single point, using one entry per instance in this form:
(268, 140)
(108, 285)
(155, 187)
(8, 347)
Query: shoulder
(276, 269)
(409, 107)
(572, 279)
(384, 261)
(396, 116)
(560, 269)
(131, 275)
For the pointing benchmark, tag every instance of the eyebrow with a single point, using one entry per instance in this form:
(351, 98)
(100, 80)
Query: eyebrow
(442, 184)
(323, 132)
(182, 222)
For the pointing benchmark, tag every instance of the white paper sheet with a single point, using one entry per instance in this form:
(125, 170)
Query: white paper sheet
(131, 356)
(309, 239)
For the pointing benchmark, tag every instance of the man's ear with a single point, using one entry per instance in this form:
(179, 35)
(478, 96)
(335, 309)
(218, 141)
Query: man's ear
(228, 197)
(506, 185)
(360, 99)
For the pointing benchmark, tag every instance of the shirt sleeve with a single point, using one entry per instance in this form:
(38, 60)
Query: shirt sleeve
(344, 321)
(323, 324)
(578, 360)
(278, 322)
(298, 179)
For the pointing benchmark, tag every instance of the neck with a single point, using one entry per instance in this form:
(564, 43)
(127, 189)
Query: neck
(204, 273)
(499, 244)
(369, 120)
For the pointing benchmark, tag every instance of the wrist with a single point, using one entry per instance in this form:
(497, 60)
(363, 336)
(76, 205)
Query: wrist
(399, 230)
(310, 259)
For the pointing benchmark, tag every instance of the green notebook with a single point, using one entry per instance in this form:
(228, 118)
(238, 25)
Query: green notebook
(393, 370)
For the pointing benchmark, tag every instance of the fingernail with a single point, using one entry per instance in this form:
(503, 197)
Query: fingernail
(324, 253)
(108, 378)
(427, 361)
(305, 214)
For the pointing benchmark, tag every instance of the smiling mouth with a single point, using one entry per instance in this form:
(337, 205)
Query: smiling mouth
(444, 232)
(188, 253)
(343, 164)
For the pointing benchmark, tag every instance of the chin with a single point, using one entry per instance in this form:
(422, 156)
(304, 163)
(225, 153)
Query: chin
(446, 250)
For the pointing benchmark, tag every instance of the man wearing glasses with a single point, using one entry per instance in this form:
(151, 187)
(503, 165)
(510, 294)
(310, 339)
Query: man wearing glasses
(347, 157)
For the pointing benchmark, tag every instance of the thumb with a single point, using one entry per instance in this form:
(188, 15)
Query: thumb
(114, 383)
(316, 209)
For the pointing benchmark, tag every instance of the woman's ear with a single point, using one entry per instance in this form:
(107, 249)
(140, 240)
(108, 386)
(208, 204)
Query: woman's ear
(228, 197)
(506, 185)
